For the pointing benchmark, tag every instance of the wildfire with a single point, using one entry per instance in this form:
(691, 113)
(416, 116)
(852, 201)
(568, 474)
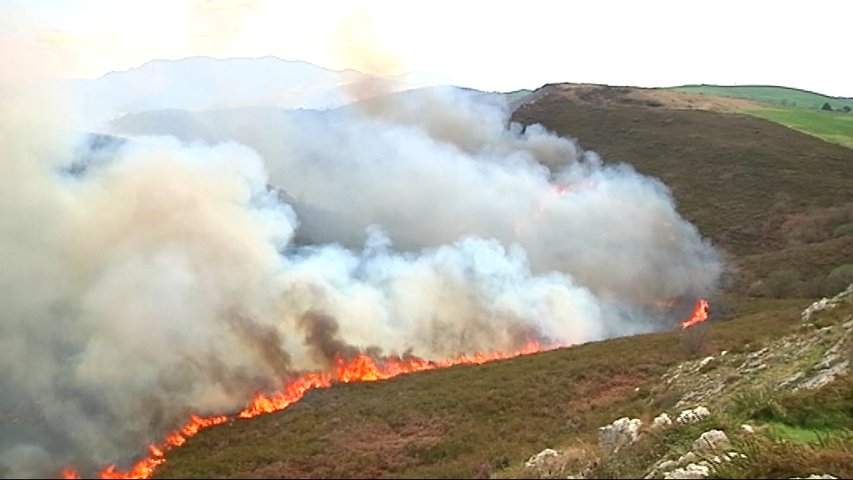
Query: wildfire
(361, 369)
(699, 315)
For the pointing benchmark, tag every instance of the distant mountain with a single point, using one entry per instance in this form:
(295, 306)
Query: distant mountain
(203, 83)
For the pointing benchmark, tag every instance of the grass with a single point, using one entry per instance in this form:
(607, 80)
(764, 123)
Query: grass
(834, 127)
(799, 110)
(771, 95)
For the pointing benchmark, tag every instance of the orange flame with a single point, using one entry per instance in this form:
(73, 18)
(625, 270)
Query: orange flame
(69, 474)
(361, 369)
(699, 315)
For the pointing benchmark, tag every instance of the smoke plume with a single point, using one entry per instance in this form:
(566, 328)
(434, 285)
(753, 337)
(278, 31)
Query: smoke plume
(188, 265)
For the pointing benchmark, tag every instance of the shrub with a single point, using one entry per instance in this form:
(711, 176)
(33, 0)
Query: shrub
(783, 282)
(838, 279)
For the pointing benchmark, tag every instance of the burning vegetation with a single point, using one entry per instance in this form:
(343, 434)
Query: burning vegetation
(160, 275)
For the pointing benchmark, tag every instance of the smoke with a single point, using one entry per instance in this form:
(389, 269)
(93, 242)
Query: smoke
(157, 276)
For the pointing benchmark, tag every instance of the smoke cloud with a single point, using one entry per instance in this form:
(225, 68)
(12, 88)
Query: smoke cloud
(205, 257)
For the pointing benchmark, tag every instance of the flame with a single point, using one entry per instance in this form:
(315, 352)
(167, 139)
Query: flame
(69, 474)
(699, 315)
(361, 369)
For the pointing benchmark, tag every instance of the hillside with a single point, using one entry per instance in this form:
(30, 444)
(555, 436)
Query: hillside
(484, 420)
(779, 204)
(777, 201)
(771, 95)
(797, 109)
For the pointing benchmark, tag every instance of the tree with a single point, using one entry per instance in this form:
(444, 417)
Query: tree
(846, 108)
(826, 106)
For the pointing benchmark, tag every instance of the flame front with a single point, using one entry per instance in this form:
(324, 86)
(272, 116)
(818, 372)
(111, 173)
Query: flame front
(699, 315)
(361, 369)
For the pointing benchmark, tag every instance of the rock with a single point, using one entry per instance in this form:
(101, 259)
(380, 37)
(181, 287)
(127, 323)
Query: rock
(724, 353)
(545, 464)
(711, 441)
(541, 457)
(825, 376)
(619, 433)
(788, 382)
(661, 421)
(815, 476)
(687, 458)
(825, 303)
(705, 361)
(691, 471)
(692, 415)
(747, 429)
(667, 465)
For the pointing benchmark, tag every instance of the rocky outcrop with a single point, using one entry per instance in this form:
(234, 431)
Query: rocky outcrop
(711, 441)
(618, 434)
(545, 464)
(693, 415)
(825, 304)
(691, 471)
(661, 421)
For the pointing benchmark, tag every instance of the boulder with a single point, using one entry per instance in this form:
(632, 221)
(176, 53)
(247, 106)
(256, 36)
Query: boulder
(693, 415)
(619, 433)
(661, 421)
(711, 441)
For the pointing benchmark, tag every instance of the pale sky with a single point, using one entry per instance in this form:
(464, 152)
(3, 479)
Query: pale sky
(490, 45)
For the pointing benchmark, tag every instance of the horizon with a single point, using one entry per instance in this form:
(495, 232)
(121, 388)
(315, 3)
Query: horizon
(530, 88)
(484, 46)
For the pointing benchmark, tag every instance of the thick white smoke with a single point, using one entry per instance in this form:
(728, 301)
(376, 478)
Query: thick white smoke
(155, 276)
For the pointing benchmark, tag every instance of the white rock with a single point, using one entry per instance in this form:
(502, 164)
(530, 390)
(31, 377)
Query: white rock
(619, 433)
(825, 376)
(692, 415)
(711, 441)
(687, 458)
(667, 465)
(747, 429)
(691, 471)
(706, 361)
(537, 460)
(662, 421)
(724, 353)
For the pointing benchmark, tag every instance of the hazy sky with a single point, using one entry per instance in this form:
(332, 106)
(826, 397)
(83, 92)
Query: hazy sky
(491, 45)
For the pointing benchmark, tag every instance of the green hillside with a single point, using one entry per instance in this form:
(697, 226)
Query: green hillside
(797, 109)
(835, 127)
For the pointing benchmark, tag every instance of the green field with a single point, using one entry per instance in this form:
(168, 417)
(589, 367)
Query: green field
(775, 96)
(835, 127)
(800, 110)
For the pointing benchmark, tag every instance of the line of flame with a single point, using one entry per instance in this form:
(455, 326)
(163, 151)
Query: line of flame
(699, 315)
(361, 369)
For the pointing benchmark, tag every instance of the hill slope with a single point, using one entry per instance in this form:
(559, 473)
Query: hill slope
(468, 421)
(759, 190)
(771, 95)
(797, 109)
